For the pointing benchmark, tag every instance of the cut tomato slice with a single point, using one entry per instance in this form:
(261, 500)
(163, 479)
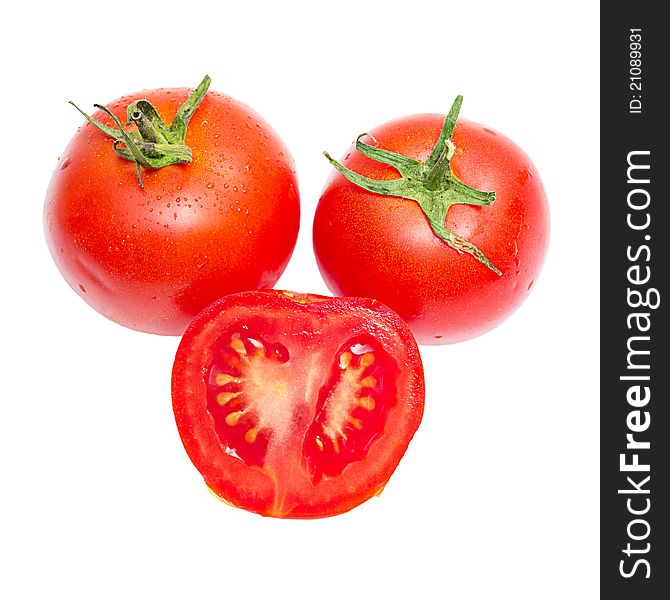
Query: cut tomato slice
(294, 405)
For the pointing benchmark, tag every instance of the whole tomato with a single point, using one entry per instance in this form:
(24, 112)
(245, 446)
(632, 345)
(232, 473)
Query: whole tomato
(210, 207)
(444, 221)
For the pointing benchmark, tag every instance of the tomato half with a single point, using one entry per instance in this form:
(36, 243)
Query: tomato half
(295, 405)
(383, 247)
(151, 258)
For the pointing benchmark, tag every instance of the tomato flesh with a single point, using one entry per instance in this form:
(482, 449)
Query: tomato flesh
(297, 406)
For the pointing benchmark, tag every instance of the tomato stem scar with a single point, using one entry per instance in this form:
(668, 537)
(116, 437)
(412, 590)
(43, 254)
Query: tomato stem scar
(154, 145)
(431, 184)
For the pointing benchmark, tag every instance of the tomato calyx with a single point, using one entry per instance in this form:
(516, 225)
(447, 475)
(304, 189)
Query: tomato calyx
(154, 145)
(431, 184)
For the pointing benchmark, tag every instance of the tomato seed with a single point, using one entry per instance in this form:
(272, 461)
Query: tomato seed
(251, 435)
(238, 346)
(367, 359)
(225, 397)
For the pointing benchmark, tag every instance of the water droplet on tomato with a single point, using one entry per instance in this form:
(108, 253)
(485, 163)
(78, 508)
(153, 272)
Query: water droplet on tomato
(200, 260)
(210, 185)
(66, 163)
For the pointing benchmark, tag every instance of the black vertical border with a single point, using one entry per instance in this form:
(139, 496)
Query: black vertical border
(622, 132)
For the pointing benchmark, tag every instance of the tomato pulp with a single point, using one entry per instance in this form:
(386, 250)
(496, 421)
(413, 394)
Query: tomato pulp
(382, 247)
(151, 258)
(295, 405)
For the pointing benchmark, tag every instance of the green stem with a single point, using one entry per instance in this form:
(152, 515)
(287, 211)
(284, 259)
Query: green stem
(138, 157)
(432, 184)
(154, 145)
(445, 135)
(148, 132)
(145, 108)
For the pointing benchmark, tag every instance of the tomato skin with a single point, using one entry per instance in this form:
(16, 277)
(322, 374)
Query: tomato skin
(152, 258)
(383, 247)
(312, 327)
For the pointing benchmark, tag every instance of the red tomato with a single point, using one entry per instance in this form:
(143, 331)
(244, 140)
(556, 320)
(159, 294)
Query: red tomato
(294, 405)
(151, 258)
(383, 246)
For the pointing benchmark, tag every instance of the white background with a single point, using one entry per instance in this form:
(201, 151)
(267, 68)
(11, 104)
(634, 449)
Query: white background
(497, 495)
